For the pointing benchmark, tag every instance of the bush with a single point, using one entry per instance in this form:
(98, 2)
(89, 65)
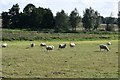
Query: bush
(110, 28)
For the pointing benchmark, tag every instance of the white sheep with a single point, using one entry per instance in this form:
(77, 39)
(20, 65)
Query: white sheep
(49, 47)
(42, 44)
(72, 44)
(102, 46)
(109, 43)
(32, 45)
(62, 46)
(4, 45)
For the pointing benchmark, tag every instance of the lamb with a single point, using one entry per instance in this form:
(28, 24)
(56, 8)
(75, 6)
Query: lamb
(42, 44)
(72, 44)
(62, 46)
(102, 46)
(49, 47)
(4, 45)
(108, 43)
(32, 45)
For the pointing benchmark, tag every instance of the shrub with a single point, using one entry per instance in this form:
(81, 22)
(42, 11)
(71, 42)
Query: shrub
(110, 28)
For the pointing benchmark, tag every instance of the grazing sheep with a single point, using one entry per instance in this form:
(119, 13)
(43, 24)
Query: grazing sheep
(42, 44)
(108, 43)
(4, 45)
(62, 46)
(102, 46)
(32, 45)
(49, 47)
(72, 44)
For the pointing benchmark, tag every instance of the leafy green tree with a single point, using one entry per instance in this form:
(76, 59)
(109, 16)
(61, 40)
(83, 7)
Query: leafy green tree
(74, 19)
(28, 16)
(61, 21)
(11, 18)
(5, 20)
(119, 20)
(37, 18)
(109, 23)
(103, 20)
(29, 8)
(14, 16)
(47, 19)
(97, 20)
(91, 19)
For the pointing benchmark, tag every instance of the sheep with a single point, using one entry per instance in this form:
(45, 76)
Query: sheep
(102, 46)
(62, 46)
(32, 45)
(49, 47)
(72, 44)
(108, 43)
(4, 45)
(42, 44)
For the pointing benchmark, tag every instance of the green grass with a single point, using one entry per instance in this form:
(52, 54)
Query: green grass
(22, 35)
(83, 61)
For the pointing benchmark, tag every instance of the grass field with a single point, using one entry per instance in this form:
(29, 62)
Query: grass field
(83, 61)
(20, 35)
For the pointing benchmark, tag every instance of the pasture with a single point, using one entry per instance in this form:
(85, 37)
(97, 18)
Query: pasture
(83, 61)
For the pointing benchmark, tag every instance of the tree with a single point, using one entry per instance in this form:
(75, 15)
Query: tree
(61, 21)
(14, 16)
(109, 23)
(37, 18)
(47, 19)
(119, 20)
(29, 8)
(91, 19)
(5, 20)
(97, 20)
(74, 19)
(11, 18)
(29, 16)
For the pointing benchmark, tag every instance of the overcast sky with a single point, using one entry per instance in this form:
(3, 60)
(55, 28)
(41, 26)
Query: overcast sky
(104, 7)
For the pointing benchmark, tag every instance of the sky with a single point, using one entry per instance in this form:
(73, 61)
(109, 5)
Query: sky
(104, 7)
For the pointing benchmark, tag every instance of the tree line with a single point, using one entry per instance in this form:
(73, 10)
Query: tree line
(40, 18)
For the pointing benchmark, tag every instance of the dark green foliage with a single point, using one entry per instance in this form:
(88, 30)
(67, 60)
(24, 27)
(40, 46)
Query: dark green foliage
(110, 24)
(61, 22)
(14, 16)
(29, 8)
(47, 20)
(39, 19)
(119, 20)
(11, 18)
(74, 19)
(91, 19)
(31, 18)
(5, 20)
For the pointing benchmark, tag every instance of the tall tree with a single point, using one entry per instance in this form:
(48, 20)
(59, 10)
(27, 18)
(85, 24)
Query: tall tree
(5, 20)
(14, 16)
(97, 20)
(61, 21)
(74, 19)
(37, 18)
(109, 23)
(29, 8)
(29, 16)
(119, 20)
(47, 19)
(91, 19)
